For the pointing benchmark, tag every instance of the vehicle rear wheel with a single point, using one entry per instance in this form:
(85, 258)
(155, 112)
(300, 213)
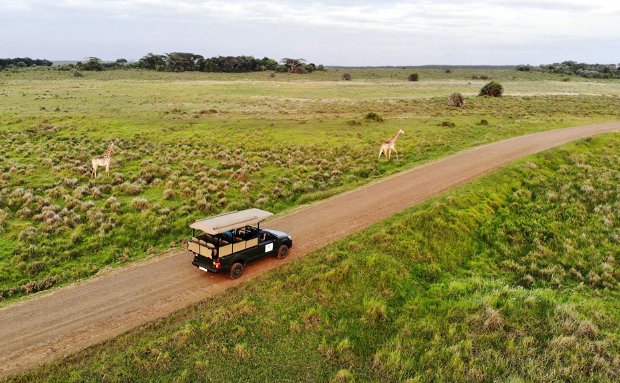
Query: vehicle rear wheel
(282, 252)
(236, 270)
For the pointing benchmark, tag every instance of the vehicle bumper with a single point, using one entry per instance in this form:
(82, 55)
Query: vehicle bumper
(204, 265)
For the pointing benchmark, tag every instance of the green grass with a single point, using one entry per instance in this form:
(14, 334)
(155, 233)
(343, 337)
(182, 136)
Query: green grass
(512, 278)
(222, 142)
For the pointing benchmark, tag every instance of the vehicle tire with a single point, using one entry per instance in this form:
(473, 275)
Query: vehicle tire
(282, 252)
(236, 270)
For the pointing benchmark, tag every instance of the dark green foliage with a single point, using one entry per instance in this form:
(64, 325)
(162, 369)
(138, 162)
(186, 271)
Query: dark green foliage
(413, 77)
(346, 76)
(93, 64)
(492, 89)
(23, 62)
(374, 117)
(583, 69)
(152, 61)
(447, 124)
(182, 62)
(524, 68)
(297, 65)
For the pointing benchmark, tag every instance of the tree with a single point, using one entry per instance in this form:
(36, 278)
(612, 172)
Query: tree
(152, 61)
(93, 64)
(292, 64)
(413, 77)
(182, 61)
(346, 77)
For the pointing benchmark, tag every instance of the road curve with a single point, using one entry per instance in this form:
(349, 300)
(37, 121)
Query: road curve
(69, 319)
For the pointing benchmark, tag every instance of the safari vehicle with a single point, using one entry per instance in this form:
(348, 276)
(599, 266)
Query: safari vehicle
(227, 242)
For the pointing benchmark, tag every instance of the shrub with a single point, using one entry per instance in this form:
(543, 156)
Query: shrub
(413, 77)
(140, 203)
(524, 68)
(3, 218)
(372, 116)
(77, 74)
(456, 99)
(447, 124)
(480, 77)
(131, 188)
(492, 89)
(169, 194)
(346, 77)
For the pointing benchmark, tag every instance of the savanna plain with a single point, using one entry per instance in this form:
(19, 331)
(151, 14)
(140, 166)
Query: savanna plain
(511, 278)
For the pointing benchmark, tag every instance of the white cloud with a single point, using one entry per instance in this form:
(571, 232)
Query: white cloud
(433, 26)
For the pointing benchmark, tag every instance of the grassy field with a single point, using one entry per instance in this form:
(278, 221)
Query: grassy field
(512, 278)
(195, 144)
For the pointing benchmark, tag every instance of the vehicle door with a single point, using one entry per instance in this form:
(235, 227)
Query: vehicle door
(266, 244)
(253, 250)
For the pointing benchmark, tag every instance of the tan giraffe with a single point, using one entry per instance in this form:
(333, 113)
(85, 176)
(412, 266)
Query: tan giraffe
(104, 160)
(389, 146)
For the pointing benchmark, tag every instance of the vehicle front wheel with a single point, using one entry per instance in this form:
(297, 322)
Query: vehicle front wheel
(236, 270)
(282, 252)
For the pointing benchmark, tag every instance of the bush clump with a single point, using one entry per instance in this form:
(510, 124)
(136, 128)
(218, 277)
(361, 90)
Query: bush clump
(374, 117)
(492, 89)
(140, 203)
(456, 99)
(413, 77)
(524, 68)
(346, 77)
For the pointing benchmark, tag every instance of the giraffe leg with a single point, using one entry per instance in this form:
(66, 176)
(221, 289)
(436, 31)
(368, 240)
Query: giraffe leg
(107, 169)
(396, 153)
(94, 171)
(380, 153)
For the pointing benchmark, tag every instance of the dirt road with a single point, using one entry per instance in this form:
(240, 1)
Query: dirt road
(69, 319)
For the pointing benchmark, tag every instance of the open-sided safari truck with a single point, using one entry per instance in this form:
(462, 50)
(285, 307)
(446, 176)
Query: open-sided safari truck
(227, 242)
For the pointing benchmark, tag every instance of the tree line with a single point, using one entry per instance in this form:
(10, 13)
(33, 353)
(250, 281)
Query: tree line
(577, 69)
(22, 62)
(188, 62)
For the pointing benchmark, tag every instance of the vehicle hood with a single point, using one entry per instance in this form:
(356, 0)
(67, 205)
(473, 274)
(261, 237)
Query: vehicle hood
(277, 233)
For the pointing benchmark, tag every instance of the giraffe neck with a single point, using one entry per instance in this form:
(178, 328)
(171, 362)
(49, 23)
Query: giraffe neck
(394, 138)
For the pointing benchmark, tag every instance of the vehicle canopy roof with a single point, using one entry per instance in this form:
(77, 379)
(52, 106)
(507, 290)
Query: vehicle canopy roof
(229, 221)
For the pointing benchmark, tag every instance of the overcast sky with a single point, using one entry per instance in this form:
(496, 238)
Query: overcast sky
(340, 32)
